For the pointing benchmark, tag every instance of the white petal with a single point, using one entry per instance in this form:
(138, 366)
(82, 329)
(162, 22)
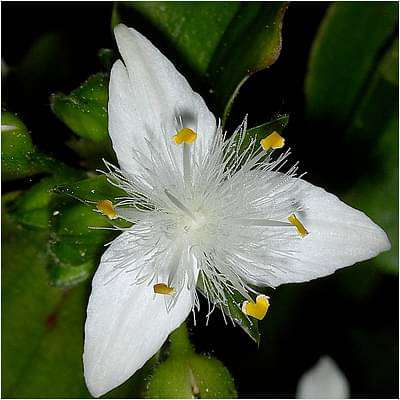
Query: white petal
(339, 235)
(323, 381)
(147, 95)
(126, 324)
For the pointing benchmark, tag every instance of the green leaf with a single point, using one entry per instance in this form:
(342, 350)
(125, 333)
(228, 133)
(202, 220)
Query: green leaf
(30, 314)
(210, 38)
(233, 309)
(49, 62)
(32, 208)
(253, 37)
(84, 110)
(76, 245)
(352, 86)
(377, 194)
(261, 131)
(92, 153)
(42, 335)
(343, 57)
(247, 323)
(374, 130)
(390, 64)
(91, 190)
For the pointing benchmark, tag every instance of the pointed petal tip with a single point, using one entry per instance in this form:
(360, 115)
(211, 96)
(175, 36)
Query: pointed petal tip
(94, 389)
(99, 384)
(119, 340)
(385, 242)
(382, 242)
(120, 28)
(95, 392)
(118, 74)
(125, 35)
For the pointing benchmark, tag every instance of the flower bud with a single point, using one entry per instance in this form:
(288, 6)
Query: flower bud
(185, 374)
(16, 148)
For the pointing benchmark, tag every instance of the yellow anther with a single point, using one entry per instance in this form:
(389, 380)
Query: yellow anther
(258, 309)
(299, 226)
(273, 141)
(162, 288)
(106, 208)
(185, 135)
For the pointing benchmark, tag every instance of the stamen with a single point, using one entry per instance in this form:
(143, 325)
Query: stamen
(106, 208)
(129, 213)
(162, 288)
(258, 309)
(273, 141)
(261, 222)
(187, 173)
(207, 205)
(185, 135)
(299, 226)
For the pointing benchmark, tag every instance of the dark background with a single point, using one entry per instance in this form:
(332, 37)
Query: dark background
(357, 327)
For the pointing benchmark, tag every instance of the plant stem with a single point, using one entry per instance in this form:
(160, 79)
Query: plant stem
(179, 341)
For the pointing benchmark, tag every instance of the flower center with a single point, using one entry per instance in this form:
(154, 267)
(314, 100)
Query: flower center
(199, 221)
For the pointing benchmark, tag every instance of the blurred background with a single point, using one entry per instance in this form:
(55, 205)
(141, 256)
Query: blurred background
(330, 68)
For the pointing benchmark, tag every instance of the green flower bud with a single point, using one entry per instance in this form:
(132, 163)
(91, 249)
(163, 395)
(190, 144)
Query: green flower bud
(185, 374)
(19, 157)
(16, 148)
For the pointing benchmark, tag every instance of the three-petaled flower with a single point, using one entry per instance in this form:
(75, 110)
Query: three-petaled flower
(203, 207)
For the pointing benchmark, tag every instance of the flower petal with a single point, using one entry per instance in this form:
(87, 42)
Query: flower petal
(126, 323)
(339, 235)
(323, 381)
(147, 96)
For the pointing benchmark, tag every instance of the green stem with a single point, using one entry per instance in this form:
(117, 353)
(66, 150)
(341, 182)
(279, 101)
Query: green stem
(179, 341)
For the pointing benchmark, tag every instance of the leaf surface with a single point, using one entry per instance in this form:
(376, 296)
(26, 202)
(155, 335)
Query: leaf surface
(217, 44)
(43, 344)
(344, 55)
(84, 110)
(76, 240)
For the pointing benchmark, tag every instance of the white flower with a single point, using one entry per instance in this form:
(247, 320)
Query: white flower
(323, 381)
(201, 208)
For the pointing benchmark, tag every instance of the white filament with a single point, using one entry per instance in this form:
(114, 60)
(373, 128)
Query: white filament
(222, 214)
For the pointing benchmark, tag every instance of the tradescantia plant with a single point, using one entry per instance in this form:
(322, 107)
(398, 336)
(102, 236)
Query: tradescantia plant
(202, 208)
(174, 210)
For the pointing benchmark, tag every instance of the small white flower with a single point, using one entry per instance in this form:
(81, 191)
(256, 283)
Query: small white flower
(323, 381)
(201, 209)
